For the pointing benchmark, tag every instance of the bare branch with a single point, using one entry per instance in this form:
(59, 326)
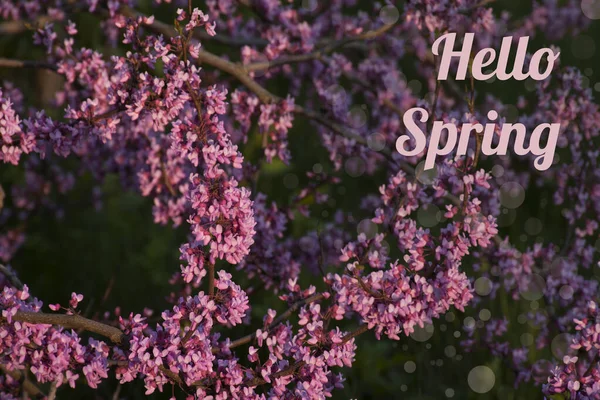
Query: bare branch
(12, 27)
(16, 27)
(52, 393)
(71, 322)
(10, 63)
(117, 392)
(362, 329)
(211, 279)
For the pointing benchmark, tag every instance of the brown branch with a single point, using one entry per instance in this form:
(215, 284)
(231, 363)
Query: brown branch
(52, 393)
(359, 331)
(12, 27)
(291, 59)
(71, 322)
(10, 63)
(334, 126)
(231, 40)
(110, 113)
(211, 279)
(593, 363)
(116, 394)
(16, 27)
(369, 35)
(167, 181)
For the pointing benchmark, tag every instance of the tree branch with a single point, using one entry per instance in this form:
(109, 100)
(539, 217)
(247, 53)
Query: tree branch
(71, 322)
(482, 3)
(362, 329)
(326, 49)
(211, 279)
(10, 63)
(52, 393)
(16, 27)
(265, 96)
(12, 277)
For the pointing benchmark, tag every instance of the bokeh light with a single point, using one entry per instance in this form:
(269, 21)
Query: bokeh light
(368, 227)
(310, 5)
(561, 346)
(481, 379)
(498, 171)
(429, 215)
(483, 286)
(512, 195)
(426, 177)
(533, 226)
(532, 287)
(450, 351)
(389, 14)
(423, 334)
(591, 8)
(485, 314)
(376, 142)
(355, 167)
(357, 117)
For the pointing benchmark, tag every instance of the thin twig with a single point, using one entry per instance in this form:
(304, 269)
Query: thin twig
(117, 392)
(362, 329)
(12, 277)
(482, 3)
(16, 27)
(293, 308)
(52, 392)
(211, 279)
(11, 63)
(317, 54)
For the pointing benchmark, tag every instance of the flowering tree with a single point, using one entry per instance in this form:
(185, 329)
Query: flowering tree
(180, 125)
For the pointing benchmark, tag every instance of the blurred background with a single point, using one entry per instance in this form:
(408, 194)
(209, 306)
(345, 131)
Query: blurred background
(106, 246)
